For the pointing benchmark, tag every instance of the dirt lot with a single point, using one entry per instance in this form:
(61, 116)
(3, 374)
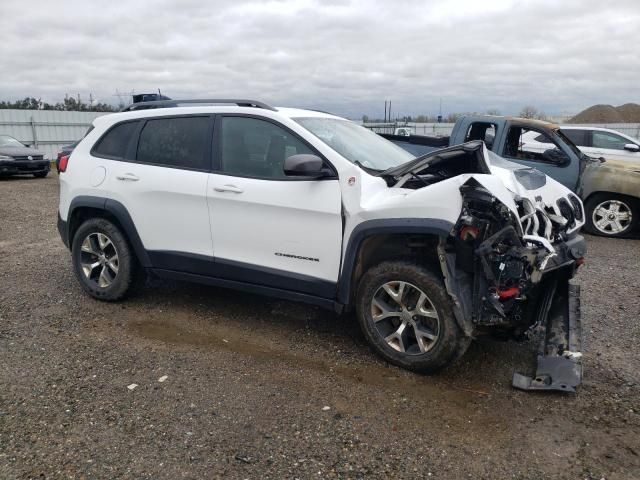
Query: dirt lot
(249, 379)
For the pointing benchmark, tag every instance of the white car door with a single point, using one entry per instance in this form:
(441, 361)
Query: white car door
(163, 187)
(267, 228)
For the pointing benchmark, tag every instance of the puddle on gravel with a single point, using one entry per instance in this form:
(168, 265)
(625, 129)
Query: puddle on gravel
(408, 384)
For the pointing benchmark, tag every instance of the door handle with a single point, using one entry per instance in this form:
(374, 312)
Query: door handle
(128, 177)
(228, 188)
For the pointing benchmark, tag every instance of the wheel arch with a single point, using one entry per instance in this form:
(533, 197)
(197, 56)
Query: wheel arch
(375, 241)
(84, 207)
(595, 193)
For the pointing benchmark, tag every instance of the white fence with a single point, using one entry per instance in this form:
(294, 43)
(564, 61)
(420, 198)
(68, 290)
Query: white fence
(443, 129)
(46, 130)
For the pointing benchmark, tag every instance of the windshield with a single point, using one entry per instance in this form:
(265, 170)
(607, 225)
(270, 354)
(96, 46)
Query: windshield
(7, 141)
(355, 143)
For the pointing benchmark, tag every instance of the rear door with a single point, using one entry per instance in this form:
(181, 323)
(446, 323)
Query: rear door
(162, 183)
(267, 228)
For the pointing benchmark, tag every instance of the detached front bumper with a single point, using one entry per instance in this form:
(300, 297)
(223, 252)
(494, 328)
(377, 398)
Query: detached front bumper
(560, 351)
(19, 167)
(559, 323)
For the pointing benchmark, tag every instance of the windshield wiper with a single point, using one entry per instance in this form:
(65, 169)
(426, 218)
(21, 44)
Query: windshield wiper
(418, 177)
(372, 171)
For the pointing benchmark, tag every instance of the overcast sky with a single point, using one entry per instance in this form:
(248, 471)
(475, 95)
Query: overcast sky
(339, 55)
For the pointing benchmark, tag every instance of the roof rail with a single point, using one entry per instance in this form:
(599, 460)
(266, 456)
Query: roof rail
(176, 103)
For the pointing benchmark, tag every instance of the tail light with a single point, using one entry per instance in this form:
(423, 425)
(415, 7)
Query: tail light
(62, 166)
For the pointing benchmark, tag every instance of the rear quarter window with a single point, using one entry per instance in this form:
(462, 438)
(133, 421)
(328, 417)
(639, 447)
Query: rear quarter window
(115, 142)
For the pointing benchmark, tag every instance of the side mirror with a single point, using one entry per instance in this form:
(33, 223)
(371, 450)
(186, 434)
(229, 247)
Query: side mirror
(557, 156)
(632, 147)
(303, 165)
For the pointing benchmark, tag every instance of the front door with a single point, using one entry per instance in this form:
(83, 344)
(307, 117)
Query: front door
(545, 154)
(611, 146)
(267, 228)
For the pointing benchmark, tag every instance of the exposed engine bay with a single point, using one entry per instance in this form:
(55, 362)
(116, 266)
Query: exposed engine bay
(510, 255)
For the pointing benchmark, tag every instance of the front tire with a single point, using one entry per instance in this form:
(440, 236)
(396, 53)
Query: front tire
(406, 315)
(103, 261)
(611, 215)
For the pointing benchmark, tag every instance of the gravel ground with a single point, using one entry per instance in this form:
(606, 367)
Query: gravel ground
(257, 388)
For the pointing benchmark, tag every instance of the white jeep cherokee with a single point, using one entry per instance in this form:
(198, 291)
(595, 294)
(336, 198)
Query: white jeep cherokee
(307, 206)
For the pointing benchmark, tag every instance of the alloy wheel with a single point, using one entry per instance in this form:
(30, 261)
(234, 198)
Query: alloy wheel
(405, 318)
(612, 217)
(99, 259)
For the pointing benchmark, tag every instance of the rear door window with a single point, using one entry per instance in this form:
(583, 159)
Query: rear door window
(482, 131)
(115, 142)
(179, 142)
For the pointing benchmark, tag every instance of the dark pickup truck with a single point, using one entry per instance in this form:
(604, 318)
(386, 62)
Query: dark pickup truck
(610, 190)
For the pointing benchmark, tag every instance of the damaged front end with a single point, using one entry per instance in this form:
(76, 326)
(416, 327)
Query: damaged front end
(509, 258)
(518, 272)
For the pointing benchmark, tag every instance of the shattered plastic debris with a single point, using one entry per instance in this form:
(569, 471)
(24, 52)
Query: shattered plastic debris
(163, 378)
(132, 386)
(570, 354)
(326, 408)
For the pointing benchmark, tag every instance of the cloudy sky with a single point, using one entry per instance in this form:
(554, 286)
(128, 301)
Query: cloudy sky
(346, 56)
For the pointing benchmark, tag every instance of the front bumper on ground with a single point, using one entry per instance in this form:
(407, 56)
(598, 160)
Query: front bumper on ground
(559, 354)
(20, 167)
(558, 324)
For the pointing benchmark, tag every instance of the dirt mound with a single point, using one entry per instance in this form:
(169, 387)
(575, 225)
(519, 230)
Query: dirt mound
(627, 113)
(630, 112)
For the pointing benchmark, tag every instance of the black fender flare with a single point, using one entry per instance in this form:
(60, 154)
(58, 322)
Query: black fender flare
(408, 226)
(120, 213)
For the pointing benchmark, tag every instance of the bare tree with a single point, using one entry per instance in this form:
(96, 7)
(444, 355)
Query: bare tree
(493, 111)
(529, 112)
(452, 117)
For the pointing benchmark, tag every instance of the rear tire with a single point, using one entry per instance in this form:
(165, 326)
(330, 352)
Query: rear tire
(407, 317)
(611, 215)
(103, 261)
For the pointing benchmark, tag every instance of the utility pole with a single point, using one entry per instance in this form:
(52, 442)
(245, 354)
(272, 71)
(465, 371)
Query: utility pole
(124, 98)
(385, 111)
